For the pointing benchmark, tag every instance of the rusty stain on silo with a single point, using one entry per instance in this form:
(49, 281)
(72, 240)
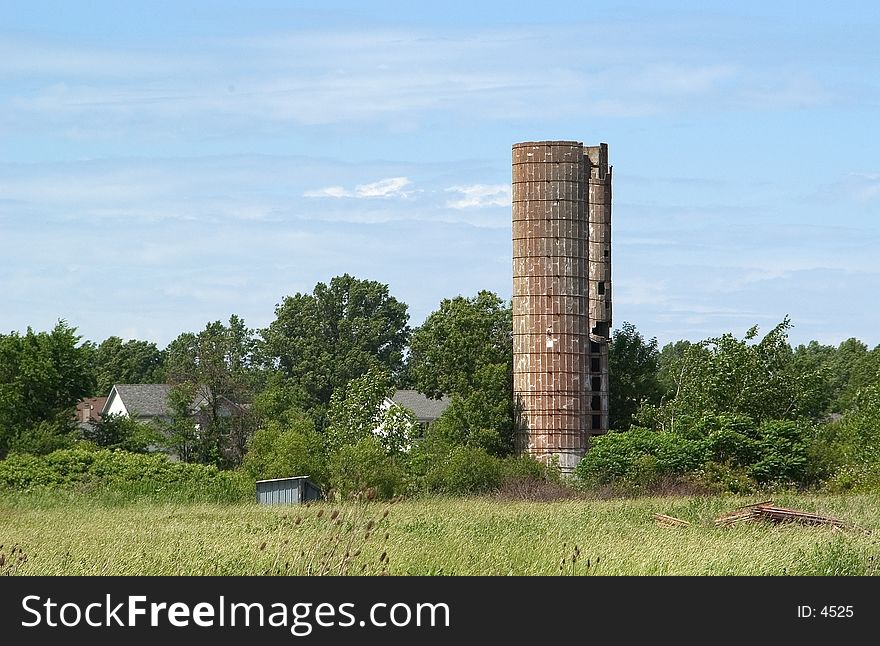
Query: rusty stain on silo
(561, 296)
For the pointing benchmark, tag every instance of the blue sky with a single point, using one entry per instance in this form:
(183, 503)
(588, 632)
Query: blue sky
(166, 164)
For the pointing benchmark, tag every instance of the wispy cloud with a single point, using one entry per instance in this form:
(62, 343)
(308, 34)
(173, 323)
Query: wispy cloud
(388, 187)
(478, 195)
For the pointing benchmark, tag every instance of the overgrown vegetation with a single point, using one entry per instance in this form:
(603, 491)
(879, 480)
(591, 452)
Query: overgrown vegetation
(308, 395)
(122, 476)
(436, 536)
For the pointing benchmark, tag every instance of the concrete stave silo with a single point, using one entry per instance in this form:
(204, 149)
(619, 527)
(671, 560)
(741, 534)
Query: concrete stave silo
(561, 315)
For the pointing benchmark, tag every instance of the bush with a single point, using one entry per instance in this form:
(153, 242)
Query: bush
(639, 457)
(278, 451)
(122, 432)
(364, 468)
(129, 475)
(464, 470)
(782, 455)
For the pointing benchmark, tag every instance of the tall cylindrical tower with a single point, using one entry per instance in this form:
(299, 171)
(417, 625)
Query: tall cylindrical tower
(560, 357)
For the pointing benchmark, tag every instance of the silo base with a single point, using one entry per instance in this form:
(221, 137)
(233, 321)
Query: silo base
(564, 461)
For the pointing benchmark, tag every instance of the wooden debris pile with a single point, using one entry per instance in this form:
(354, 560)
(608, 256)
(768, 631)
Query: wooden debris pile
(764, 511)
(768, 511)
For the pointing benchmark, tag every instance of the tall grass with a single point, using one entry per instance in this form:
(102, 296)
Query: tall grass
(434, 536)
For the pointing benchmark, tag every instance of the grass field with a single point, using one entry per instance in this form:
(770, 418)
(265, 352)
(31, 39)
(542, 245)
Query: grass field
(478, 536)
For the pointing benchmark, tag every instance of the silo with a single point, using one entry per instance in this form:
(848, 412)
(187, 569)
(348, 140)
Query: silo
(560, 358)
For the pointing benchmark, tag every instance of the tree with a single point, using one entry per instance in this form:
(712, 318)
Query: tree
(42, 375)
(323, 340)
(670, 362)
(359, 411)
(122, 432)
(285, 450)
(128, 362)
(218, 364)
(454, 342)
(758, 379)
(632, 368)
(465, 350)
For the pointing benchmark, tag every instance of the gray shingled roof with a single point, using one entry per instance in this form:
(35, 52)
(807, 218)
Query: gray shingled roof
(145, 400)
(425, 409)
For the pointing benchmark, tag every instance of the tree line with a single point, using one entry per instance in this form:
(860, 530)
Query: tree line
(309, 386)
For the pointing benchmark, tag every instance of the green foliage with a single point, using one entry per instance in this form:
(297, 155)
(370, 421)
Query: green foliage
(42, 375)
(219, 364)
(632, 370)
(849, 448)
(358, 410)
(525, 467)
(180, 432)
(129, 475)
(758, 379)
(455, 342)
(365, 468)
(59, 432)
(122, 432)
(323, 340)
(116, 361)
(283, 451)
(464, 470)
(484, 417)
(639, 457)
(782, 457)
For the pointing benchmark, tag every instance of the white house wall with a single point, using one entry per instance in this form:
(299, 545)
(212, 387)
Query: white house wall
(114, 405)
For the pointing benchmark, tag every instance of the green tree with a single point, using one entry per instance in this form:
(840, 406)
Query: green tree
(285, 450)
(756, 378)
(219, 366)
(454, 342)
(42, 375)
(323, 340)
(122, 432)
(670, 363)
(632, 368)
(465, 350)
(126, 362)
(359, 410)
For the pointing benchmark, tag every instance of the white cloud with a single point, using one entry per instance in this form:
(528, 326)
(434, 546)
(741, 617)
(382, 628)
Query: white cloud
(478, 195)
(329, 191)
(388, 187)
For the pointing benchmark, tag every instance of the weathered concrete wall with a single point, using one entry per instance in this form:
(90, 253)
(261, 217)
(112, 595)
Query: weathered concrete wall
(561, 296)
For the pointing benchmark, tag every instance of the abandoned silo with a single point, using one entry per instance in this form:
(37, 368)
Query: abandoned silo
(561, 296)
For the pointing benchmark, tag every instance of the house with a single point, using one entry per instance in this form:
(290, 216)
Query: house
(89, 410)
(149, 402)
(143, 402)
(425, 409)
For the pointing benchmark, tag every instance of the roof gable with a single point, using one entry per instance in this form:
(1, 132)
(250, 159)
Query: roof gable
(144, 400)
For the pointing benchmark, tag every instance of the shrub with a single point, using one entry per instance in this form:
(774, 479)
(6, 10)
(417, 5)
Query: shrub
(365, 467)
(122, 432)
(782, 455)
(463, 470)
(277, 451)
(639, 457)
(128, 475)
